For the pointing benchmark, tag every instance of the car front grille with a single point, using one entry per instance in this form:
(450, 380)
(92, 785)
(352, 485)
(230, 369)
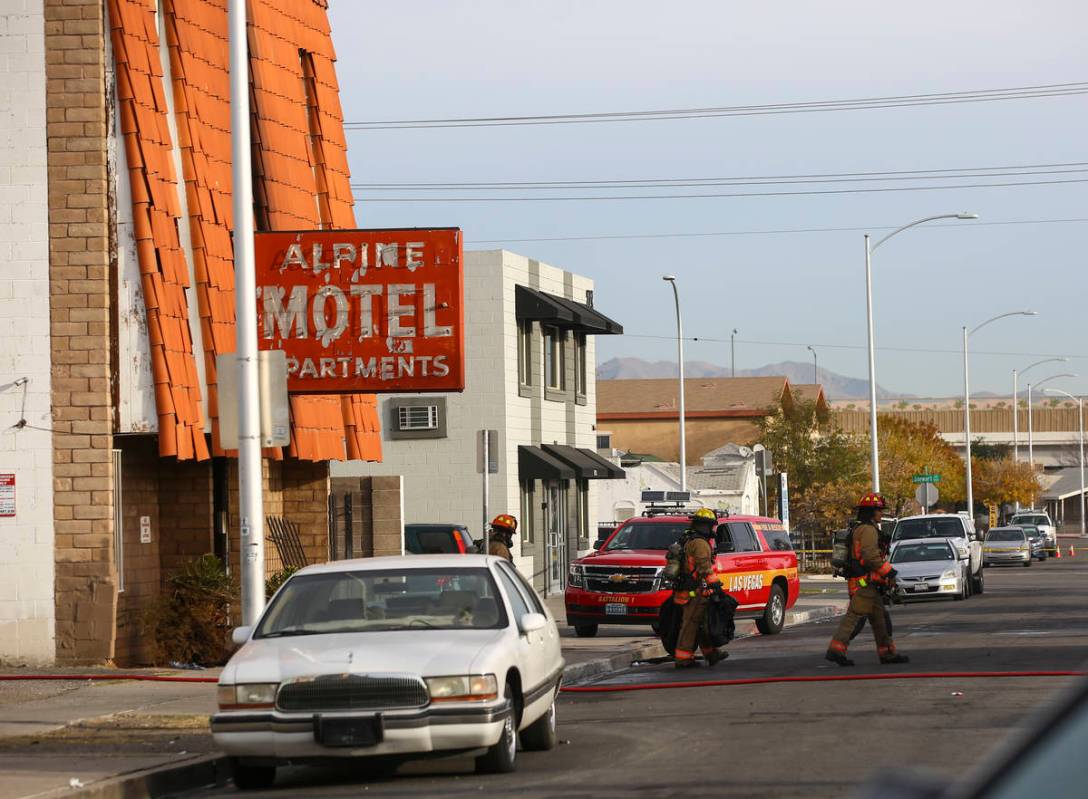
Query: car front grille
(352, 692)
(922, 579)
(621, 580)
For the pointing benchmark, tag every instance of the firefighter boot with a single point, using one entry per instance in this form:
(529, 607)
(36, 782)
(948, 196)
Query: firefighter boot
(686, 663)
(896, 658)
(715, 657)
(838, 657)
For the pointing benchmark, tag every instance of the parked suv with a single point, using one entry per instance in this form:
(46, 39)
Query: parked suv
(1041, 519)
(957, 529)
(620, 583)
(438, 539)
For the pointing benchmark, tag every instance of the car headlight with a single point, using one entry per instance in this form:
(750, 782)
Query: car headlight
(261, 694)
(949, 575)
(577, 575)
(463, 688)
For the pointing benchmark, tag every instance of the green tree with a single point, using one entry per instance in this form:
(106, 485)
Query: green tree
(812, 450)
(909, 448)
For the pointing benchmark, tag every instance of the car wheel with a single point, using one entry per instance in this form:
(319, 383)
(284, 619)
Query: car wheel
(502, 757)
(252, 778)
(586, 630)
(774, 615)
(541, 735)
(656, 627)
(978, 583)
(1027, 563)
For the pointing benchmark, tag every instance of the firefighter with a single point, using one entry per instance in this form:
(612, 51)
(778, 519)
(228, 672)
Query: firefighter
(502, 536)
(882, 589)
(868, 570)
(697, 582)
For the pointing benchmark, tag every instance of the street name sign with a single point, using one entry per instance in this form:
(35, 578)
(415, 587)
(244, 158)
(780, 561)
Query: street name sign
(364, 310)
(926, 478)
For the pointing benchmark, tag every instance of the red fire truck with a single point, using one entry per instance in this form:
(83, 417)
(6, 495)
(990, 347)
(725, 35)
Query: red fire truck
(620, 582)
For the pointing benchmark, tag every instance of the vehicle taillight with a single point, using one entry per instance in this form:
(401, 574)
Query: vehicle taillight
(460, 542)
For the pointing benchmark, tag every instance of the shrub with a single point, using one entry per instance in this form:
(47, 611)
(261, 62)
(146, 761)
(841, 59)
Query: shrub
(276, 579)
(191, 621)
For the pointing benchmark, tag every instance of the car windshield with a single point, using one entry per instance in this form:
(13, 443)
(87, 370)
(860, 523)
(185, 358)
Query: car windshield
(1033, 518)
(928, 528)
(915, 553)
(378, 601)
(1030, 530)
(1005, 535)
(647, 535)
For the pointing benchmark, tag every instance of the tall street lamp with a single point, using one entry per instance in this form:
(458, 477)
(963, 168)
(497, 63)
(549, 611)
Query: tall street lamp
(1016, 400)
(967, 400)
(671, 280)
(815, 368)
(1080, 417)
(1031, 439)
(869, 250)
(733, 352)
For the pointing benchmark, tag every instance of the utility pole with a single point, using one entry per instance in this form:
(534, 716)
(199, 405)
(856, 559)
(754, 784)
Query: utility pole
(250, 500)
(733, 353)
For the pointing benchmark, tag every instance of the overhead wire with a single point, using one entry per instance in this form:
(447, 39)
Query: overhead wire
(817, 106)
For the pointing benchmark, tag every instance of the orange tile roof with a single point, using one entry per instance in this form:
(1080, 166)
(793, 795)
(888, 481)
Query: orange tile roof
(301, 181)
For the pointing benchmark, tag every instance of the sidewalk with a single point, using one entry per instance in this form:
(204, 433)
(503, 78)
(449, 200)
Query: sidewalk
(119, 738)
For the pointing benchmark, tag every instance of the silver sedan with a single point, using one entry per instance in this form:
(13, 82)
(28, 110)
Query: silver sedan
(929, 569)
(1006, 545)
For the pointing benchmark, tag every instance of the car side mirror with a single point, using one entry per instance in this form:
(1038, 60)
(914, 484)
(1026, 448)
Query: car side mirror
(241, 634)
(531, 622)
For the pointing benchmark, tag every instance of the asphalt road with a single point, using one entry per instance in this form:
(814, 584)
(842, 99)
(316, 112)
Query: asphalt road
(812, 740)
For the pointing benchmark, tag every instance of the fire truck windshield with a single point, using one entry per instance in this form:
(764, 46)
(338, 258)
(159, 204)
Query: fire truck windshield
(647, 535)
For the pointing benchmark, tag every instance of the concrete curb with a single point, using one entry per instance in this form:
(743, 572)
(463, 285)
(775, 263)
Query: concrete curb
(201, 771)
(580, 672)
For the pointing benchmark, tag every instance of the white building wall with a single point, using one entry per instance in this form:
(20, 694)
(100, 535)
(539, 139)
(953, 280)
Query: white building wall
(26, 540)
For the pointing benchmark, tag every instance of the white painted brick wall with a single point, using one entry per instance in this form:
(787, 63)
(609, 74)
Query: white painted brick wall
(26, 541)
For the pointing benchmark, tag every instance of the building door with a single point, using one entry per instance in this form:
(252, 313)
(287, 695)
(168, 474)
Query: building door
(555, 531)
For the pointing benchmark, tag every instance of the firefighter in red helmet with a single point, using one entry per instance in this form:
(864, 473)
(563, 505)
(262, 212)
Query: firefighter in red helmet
(865, 571)
(503, 529)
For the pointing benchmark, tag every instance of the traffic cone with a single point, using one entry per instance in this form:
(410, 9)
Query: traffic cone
(1058, 551)
(1072, 551)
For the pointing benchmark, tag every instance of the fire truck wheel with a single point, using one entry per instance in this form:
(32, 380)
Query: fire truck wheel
(585, 630)
(774, 615)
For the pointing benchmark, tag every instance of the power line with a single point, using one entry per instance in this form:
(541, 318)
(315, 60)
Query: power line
(852, 346)
(865, 103)
(761, 180)
(723, 195)
(767, 232)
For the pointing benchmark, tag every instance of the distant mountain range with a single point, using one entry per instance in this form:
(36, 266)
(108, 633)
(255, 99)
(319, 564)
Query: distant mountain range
(836, 386)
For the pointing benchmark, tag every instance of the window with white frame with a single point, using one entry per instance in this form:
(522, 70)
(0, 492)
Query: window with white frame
(583, 512)
(525, 352)
(555, 372)
(580, 363)
(528, 494)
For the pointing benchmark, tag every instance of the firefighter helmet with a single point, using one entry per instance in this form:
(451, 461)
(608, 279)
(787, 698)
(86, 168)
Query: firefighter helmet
(873, 501)
(506, 522)
(704, 515)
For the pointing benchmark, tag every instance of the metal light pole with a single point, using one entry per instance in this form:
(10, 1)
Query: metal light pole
(1016, 400)
(1031, 440)
(869, 250)
(671, 280)
(733, 353)
(1080, 417)
(967, 401)
(250, 500)
(815, 368)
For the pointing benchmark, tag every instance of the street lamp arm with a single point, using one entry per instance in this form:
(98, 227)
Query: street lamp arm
(1040, 363)
(1063, 393)
(1052, 377)
(921, 222)
(978, 327)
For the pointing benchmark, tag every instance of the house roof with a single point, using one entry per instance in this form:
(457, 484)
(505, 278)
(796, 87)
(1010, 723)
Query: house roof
(301, 181)
(704, 397)
(810, 392)
(1061, 483)
(728, 479)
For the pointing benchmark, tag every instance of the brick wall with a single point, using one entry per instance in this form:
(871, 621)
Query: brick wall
(185, 506)
(377, 514)
(86, 596)
(26, 539)
(142, 572)
(305, 496)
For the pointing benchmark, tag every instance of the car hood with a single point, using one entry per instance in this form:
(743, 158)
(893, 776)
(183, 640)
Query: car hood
(428, 653)
(923, 568)
(625, 557)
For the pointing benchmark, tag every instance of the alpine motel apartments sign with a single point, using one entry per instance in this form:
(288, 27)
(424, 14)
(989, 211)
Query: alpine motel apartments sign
(364, 310)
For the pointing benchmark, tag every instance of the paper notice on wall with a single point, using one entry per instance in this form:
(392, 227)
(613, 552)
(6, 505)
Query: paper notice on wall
(145, 529)
(7, 494)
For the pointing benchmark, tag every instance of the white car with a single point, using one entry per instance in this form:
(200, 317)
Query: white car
(388, 658)
(1041, 519)
(958, 530)
(929, 568)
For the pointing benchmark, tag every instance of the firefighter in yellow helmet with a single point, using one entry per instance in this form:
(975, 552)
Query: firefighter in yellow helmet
(503, 529)
(867, 569)
(695, 585)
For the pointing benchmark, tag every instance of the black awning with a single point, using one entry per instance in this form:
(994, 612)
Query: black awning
(537, 306)
(536, 464)
(587, 464)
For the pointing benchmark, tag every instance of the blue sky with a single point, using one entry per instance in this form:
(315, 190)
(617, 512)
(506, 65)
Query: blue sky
(448, 59)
